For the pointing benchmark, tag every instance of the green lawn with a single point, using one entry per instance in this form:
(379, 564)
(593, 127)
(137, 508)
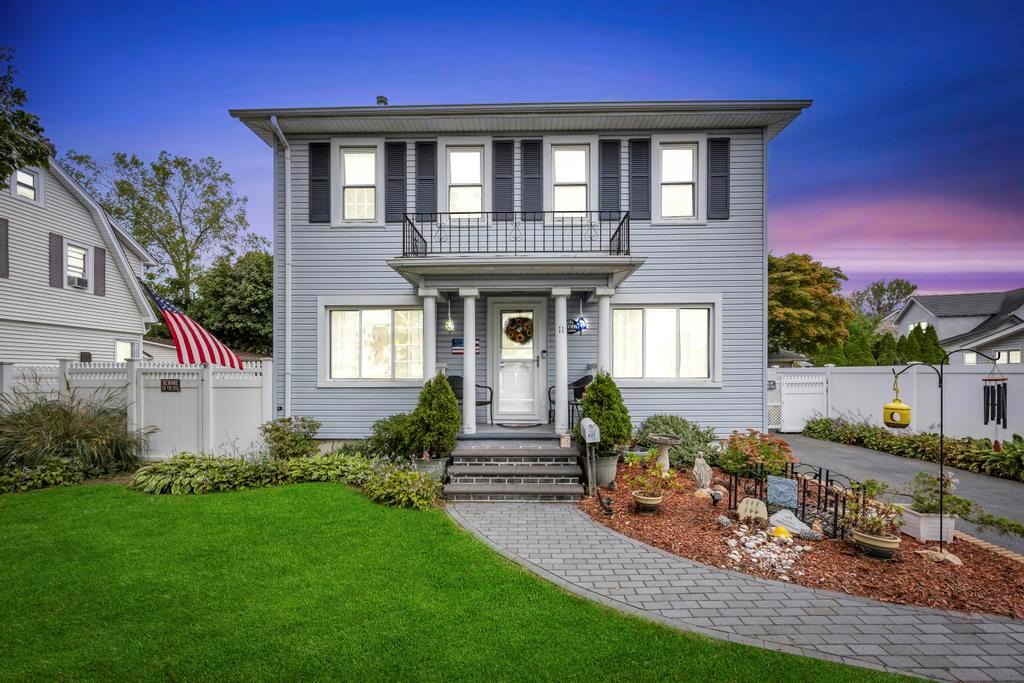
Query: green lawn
(310, 581)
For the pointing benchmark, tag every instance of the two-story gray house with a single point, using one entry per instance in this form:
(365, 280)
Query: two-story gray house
(524, 246)
(68, 274)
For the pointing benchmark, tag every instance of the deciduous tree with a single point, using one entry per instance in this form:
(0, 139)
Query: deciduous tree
(21, 135)
(235, 301)
(805, 309)
(882, 297)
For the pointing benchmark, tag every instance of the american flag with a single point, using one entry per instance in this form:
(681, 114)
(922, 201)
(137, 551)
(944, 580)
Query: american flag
(192, 342)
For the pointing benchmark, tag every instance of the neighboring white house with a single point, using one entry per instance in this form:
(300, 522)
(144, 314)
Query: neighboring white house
(991, 322)
(161, 350)
(68, 274)
(647, 219)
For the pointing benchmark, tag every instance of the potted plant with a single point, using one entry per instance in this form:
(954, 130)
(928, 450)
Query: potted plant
(435, 424)
(602, 402)
(921, 517)
(649, 483)
(874, 524)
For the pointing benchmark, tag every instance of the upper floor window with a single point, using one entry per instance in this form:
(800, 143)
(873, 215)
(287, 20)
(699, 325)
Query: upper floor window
(661, 342)
(359, 184)
(376, 343)
(77, 266)
(571, 168)
(25, 184)
(923, 325)
(465, 180)
(678, 180)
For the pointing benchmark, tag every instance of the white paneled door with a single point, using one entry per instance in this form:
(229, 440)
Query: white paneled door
(517, 353)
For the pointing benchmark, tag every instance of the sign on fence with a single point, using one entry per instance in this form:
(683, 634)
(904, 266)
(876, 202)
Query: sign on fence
(170, 386)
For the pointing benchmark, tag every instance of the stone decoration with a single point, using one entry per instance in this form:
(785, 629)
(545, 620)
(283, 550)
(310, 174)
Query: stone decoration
(724, 521)
(789, 521)
(811, 535)
(782, 492)
(752, 508)
(701, 472)
(757, 548)
(664, 442)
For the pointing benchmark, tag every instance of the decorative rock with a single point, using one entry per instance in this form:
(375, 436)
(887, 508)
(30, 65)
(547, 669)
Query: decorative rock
(731, 542)
(724, 521)
(702, 493)
(782, 491)
(811, 535)
(790, 521)
(944, 556)
(752, 508)
(750, 545)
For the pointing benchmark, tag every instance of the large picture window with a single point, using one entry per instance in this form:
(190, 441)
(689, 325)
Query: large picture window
(465, 181)
(661, 342)
(359, 184)
(376, 343)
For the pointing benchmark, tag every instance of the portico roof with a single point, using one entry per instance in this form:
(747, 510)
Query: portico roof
(532, 270)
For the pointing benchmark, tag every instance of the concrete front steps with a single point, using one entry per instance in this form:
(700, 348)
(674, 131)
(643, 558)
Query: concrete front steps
(528, 471)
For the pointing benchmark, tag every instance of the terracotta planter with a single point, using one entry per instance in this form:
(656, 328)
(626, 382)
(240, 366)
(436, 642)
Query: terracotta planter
(925, 526)
(648, 504)
(882, 547)
(606, 467)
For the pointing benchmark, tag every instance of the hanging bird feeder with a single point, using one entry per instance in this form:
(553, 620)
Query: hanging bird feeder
(896, 413)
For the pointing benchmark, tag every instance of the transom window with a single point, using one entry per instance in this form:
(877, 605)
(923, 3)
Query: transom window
(571, 169)
(662, 342)
(1009, 356)
(359, 184)
(678, 180)
(77, 263)
(376, 343)
(465, 181)
(25, 185)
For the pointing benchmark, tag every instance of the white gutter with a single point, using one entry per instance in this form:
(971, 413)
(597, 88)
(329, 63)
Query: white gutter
(287, 267)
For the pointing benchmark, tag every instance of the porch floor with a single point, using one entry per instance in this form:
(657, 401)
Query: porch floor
(488, 432)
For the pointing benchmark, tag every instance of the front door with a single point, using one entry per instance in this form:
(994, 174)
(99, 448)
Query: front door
(517, 352)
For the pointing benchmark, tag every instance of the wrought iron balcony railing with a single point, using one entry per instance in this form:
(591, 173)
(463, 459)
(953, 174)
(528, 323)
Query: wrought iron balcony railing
(503, 232)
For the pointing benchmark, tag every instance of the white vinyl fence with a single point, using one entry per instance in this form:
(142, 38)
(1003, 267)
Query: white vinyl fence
(197, 408)
(795, 395)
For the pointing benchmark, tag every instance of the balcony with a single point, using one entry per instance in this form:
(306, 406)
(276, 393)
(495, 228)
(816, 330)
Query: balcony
(504, 232)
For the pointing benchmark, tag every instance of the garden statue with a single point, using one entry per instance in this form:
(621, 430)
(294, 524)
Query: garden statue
(701, 472)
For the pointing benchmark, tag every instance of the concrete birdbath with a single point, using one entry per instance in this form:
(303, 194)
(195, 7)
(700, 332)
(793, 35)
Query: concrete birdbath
(664, 442)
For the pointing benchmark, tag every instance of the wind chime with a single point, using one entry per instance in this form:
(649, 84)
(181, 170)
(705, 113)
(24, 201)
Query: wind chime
(994, 393)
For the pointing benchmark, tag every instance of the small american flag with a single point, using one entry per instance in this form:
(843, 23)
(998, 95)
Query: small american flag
(192, 342)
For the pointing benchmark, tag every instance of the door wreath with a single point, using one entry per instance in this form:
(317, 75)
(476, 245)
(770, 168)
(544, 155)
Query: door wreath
(519, 329)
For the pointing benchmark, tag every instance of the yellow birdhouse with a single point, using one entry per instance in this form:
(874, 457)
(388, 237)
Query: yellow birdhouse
(896, 413)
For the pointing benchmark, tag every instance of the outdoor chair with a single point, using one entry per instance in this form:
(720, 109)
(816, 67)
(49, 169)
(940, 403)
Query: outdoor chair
(577, 387)
(456, 384)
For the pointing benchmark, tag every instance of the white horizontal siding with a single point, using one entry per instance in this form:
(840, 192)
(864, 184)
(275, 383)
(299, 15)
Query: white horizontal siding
(43, 344)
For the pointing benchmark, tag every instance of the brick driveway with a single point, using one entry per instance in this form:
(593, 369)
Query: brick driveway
(562, 544)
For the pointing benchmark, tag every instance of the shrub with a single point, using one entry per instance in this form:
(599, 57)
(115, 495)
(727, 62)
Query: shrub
(744, 452)
(396, 485)
(869, 514)
(924, 496)
(290, 437)
(337, 467)
(644, 476)
(695, 439)
(603, 404)
(437, 418)
(394, 437)
(54, 472)
(93, 430)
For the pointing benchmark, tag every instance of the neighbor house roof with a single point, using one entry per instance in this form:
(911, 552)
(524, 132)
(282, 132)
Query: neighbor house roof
(999, 308)
(169, 344)
(525, 117)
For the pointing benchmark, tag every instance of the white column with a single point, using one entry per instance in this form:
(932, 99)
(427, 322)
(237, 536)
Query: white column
(469, 359)
(429, 332)
(561, 361)
(133, 390)
(604, 328)
(206, 436)
(266, 383)
(62, 377)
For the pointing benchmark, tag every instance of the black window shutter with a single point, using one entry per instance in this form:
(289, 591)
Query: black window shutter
(718, 178)
(394, 177)
(5, 258)
(319, 182)
(426, 177)
(99, 271)
(56, 260)
(532, 179)
(502, 201)
(640, 179)
(609, 192)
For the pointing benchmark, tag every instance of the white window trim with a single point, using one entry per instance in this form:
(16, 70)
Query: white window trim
(39, 176)
(588, 141)
(997, 352)
(700, 190)
(324, 306)
(136, 351)
(337, 183)
(448, 169)
(442, 169)
(712, 301)
(88, 267)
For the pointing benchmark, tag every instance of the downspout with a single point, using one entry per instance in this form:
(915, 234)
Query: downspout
(287, 267)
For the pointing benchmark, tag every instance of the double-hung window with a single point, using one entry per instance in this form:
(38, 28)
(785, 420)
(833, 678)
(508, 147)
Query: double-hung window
(570, 171)
(678, 179)
(465, 182)
(662, 342)
(76, 266)
(26, 185)
(376, 343)
(359, 184)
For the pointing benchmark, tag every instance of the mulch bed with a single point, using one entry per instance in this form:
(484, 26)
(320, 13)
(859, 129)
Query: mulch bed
(687, 526)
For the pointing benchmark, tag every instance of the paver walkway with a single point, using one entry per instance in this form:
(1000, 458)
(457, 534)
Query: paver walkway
(999, 496)
(560, 543)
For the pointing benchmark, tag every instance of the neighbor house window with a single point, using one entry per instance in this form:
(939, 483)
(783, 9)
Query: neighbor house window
(661, 342)
(571, 168)
(465, 181)
(359, 184)
(913, 326)
(123, 350)
(26, 185)
(76, 269)
(1012, 356)
(970, 358)
(678, 180)
(376, 343)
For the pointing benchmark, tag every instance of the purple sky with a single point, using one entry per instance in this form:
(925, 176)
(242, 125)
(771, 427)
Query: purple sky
(909, 164)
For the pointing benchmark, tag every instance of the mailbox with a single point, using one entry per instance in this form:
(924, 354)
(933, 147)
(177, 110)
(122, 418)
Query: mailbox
(591, 432)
